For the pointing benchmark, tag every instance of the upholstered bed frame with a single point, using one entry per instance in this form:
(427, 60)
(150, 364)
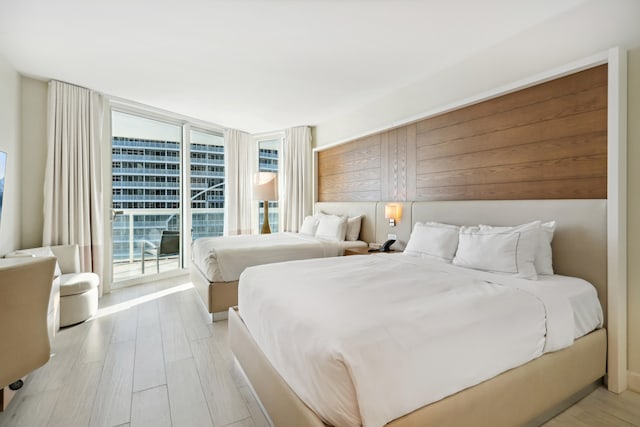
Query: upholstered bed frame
(527, 395)
(219, 296)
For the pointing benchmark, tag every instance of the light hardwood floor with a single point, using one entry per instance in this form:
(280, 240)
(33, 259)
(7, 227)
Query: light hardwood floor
(152, 357)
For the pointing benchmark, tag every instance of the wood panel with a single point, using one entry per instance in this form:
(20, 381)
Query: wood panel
(591, 78)
(548, 141)
(545, 113)
(576, 127)
(352, 172)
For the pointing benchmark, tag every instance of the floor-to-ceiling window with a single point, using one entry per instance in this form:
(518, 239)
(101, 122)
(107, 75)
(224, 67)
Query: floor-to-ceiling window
(268, 162)
(207, 183)
(149, 200)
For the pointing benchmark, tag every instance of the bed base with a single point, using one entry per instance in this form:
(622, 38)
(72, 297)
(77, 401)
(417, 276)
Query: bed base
(525, 396)
(217, 297)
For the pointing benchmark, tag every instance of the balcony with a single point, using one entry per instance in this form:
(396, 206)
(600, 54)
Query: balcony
(132, 227)
(126, 270)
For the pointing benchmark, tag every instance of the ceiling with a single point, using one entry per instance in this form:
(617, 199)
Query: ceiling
(257, 66)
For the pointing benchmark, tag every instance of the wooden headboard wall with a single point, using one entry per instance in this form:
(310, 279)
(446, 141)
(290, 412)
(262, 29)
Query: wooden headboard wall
(547, 141)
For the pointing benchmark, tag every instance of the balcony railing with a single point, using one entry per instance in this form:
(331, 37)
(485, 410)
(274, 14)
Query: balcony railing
(132, 226)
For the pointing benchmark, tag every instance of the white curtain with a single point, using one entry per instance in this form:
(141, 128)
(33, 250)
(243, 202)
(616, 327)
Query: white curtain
(240, 163)
(295, 178)
(73, 207)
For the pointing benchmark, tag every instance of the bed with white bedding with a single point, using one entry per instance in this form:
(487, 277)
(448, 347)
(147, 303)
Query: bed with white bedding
(408, 341)
(217, 262)
(443, 328)
(222, 259)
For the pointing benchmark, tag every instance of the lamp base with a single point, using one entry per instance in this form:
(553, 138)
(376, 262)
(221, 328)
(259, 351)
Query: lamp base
(265, 224)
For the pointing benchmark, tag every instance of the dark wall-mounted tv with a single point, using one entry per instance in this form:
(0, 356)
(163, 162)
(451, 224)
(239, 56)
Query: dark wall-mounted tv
(3, 164)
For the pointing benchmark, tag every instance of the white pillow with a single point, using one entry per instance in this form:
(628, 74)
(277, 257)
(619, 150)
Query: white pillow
(36, 252)
(310, 225)
(433, 240)
(332, 227)
(544, 256)
(504, 250)
(353, 228)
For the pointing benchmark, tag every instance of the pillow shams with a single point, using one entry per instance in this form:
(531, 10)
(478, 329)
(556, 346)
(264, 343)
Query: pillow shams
(309, 225)
(354, 224)
(544, 257)
(353, 228)
(332, 227)
(490, 252)
(505, 250)
(433, 240)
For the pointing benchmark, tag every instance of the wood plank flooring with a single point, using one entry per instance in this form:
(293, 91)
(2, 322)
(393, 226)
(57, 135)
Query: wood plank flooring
(152, 357)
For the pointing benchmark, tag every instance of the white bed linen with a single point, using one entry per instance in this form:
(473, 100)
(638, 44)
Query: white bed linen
(222, 259)
(400, 332)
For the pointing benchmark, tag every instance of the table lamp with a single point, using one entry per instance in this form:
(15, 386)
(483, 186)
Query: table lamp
(265, 188)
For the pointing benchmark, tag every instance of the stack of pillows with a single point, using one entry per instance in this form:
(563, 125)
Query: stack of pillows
(523, 251)
(332, 227)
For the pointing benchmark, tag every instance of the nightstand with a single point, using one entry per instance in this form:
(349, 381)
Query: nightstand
(365, 251)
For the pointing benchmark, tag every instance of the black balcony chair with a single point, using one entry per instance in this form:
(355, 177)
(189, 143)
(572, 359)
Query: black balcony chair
(169, 246)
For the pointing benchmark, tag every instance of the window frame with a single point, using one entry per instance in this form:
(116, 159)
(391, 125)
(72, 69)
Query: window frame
(186, 123)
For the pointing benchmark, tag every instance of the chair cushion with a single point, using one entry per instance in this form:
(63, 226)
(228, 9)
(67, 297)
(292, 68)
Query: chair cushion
(77, 283)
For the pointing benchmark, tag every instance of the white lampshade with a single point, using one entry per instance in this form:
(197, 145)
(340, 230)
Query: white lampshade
(393, 213)
(265, 186)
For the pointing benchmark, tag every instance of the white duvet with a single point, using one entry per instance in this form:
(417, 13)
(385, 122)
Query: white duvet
(223, 259)
(364, 340)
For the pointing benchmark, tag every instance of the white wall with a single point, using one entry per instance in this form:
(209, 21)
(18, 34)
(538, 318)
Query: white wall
(33, 140)
(569, 37)
(10, 143)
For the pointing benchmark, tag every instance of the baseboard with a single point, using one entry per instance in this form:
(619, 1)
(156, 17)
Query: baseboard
(633, 381)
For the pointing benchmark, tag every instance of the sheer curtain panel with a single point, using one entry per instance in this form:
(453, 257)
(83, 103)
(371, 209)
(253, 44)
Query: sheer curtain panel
(295, 178)
(73, 208)
(240, 163)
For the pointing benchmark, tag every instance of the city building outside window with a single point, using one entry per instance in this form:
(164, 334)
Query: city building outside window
(146, 185)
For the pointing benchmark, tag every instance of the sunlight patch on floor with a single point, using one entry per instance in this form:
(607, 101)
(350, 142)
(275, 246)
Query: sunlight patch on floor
(106, 311)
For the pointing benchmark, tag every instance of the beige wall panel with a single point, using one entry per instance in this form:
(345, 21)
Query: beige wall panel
(633, 215)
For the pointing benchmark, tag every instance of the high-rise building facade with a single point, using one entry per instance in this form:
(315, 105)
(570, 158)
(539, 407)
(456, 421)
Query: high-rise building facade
(146, 191)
